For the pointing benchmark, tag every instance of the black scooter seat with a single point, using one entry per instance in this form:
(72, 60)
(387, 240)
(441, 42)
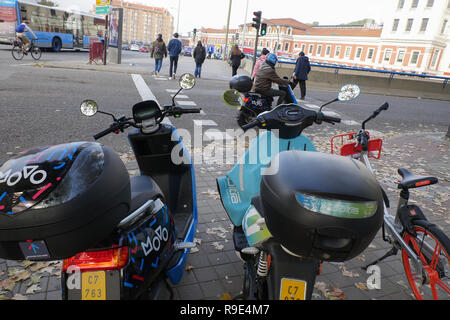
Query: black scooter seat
(143, 188)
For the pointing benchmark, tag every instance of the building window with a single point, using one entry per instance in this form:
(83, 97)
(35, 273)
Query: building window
(328, 51)
(370, 54)
(296, 46)
(319, 50)
(415, 4)
(348, 50)
(401, 3)
(409, 24)
(286, 46)
(338, 51)
(435, 58)
(444, 25)
(395, 25)
(311, 48)
(423, 26)
(303, 47)
(400, 56)
(387, 55)
(430, 3)
(414, 57)
(358, 53)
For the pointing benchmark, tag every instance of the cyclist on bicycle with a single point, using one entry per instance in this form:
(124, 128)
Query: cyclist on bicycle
(21, 30)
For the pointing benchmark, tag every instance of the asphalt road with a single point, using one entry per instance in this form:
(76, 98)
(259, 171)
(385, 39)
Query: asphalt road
(40, 105)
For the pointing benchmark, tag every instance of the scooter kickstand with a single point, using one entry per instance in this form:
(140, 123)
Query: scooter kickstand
(391, 252)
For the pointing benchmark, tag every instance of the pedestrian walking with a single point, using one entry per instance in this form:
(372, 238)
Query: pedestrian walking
(235, 58)
(199, 57)
(174, 48)
(302, 68)
(259, 62)
(159, 51)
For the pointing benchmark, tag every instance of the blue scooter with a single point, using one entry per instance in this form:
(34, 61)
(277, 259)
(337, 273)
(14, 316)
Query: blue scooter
(120, 236)
(293, 207)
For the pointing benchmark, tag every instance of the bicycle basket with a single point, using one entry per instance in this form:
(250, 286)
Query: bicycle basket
(345, 145)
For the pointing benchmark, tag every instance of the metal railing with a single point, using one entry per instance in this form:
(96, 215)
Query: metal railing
(337, 67)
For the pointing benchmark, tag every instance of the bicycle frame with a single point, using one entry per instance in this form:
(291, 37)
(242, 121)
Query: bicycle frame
(391, 222)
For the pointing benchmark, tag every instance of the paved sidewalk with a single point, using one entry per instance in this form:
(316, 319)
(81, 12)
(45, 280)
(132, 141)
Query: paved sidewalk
(215, 271)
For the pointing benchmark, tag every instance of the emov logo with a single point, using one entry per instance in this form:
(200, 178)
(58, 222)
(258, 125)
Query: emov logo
(28, 172)
(161, 234)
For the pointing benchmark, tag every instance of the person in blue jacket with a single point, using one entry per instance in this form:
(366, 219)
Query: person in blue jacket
(174, 48)
(302, 68)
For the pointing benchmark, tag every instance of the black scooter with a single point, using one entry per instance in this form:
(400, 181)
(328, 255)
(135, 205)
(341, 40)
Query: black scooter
(121, 237)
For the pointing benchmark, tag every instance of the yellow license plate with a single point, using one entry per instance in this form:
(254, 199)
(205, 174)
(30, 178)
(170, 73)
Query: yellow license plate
(93, 285)
(292, 289)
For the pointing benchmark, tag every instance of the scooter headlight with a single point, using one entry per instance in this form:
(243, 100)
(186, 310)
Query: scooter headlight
(337, 208)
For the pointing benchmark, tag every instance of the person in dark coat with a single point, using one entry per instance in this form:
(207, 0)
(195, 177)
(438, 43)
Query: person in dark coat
(302, 68)
(236, 57)
(199, 57)
(174, 49)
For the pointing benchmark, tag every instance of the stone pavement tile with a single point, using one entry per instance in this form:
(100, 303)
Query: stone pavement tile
(54, 283)
(205, 274)
(54, 295)
(188, 278)
(233, 285)
(218, 258)
(212, 289)
(190, 292)
(227, 270)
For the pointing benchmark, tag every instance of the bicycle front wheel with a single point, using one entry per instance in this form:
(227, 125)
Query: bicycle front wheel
(17, 53)
(432, 247)
(36, 53)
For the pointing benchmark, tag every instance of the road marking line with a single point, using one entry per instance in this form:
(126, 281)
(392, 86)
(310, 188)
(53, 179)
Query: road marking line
(180, 96)
(187, 103)
(205, 123)
(202, 113)
(145, 92)
(172, 90)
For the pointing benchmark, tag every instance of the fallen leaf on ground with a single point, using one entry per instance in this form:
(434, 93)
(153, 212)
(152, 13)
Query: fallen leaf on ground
(33, 289)
(7, 284)
(226, 296)
(361, 286)
(19, 296)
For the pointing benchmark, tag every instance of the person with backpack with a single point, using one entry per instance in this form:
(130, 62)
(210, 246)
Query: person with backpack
(21, 30)
(174, 48)
(199, 57)
(159, 51)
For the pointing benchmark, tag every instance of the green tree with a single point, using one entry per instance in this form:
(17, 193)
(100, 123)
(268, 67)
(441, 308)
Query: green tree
(48, 3)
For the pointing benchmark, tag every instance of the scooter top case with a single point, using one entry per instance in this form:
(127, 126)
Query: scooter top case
(320, 205)
(58, 200)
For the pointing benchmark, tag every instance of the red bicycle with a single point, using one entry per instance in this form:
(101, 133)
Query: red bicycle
(425, 248)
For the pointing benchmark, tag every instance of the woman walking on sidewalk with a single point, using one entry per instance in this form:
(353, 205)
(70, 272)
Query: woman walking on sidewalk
(159, 51)
(235, 58)
(199, 57)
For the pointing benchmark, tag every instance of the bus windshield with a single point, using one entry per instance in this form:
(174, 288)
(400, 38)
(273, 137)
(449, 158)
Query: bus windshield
(54, 27)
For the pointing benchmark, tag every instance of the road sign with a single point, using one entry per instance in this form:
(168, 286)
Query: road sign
(103, 10)
(103, 2)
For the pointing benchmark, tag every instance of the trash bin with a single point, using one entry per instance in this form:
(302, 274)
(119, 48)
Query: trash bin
(95, 51)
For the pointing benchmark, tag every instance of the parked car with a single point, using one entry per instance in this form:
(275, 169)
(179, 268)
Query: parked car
(134, 47)
(144, 49)
(125, 47)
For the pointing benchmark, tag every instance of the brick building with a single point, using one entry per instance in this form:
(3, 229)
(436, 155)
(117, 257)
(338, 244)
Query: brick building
(143, 23)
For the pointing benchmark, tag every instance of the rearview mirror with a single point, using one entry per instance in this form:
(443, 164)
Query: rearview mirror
(349, 92)
(187, 81)
(89, 108)
(233, 98)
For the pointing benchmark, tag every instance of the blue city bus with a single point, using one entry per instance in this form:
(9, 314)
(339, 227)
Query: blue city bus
(55, 28)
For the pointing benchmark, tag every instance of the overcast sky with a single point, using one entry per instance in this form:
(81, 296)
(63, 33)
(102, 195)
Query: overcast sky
(213, 13)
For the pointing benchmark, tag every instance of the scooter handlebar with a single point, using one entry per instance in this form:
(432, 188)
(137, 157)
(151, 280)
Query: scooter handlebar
(114, 127)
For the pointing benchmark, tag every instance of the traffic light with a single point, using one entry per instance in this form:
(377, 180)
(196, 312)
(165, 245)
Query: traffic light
(263, 29)
(195, 32)
(257, 19)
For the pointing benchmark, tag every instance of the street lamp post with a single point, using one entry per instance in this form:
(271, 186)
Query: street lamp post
(178, 16)
(226, 34)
